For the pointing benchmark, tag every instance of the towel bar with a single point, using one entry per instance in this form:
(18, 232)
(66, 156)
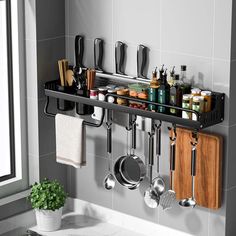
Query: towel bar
(84, 122)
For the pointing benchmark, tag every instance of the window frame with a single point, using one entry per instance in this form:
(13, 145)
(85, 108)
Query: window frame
(10, 94)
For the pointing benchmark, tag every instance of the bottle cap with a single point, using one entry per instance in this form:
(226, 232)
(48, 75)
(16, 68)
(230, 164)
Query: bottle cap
(187, 96)
(177, 77)
(206, 93)
(183, 68)
(195, 91)
(197, 98)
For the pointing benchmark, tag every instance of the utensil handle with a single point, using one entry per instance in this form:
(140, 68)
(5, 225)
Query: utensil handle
(109, 138)
(151, 144)
(119, 57)
(158, 142)
(172, 156)
(98, 54)
(134, 136)
(193, 161)
(141, 60)
(79, 50)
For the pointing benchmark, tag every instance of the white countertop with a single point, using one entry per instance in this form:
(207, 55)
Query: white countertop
(80, 225)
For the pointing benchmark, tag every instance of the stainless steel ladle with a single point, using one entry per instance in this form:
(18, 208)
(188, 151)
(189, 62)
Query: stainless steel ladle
(191, 202)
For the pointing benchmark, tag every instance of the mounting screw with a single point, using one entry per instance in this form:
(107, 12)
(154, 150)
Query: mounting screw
(222, 119)
(222, 98)
(201, 126)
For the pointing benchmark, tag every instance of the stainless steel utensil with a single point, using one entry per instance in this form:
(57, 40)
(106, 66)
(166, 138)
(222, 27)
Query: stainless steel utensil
(151, 197)
(168, 198)
(191, 202)
(109, 180)
(130, 170)
(158, 183)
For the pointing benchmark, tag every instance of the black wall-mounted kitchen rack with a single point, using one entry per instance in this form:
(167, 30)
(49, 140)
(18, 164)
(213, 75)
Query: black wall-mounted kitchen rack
(204, 119)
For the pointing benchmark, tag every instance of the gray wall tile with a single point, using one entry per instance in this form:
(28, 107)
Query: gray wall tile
(233, 36)
(137, 23)
(49, 52)
(221, 83)
(232, 118)
(188, 28)
(87, 183)
(47, 142)
(222, 29)
(91, 18)
(50, 169)
(50, 19)
(230, 212)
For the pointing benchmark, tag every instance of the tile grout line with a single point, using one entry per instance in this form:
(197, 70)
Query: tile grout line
(160, 20)
(48, 39)
(213, 44)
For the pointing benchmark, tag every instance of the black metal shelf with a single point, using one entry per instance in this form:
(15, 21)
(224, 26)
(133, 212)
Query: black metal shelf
(204, 119)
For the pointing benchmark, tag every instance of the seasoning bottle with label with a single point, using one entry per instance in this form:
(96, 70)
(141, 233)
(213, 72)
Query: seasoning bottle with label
(152, 91)
(197, 105)
(207, 95)
(196, 92)
(187, 104)
(176, 96)
(186, 85)
(163, 95)
(171, 77)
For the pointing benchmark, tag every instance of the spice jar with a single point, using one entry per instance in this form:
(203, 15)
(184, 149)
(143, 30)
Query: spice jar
(102, 91)
(207, 95)
(197, 105)
(186, 103)
(196, 92)
(122, 101)
(110, 98)
(93, 94)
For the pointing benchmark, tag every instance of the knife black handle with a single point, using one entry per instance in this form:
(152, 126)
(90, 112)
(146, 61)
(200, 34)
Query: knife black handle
(158, 142)
(119, 57)
(98, 54)
(172, 157)
(150, 156)
(79, 50)
(193, 161)
(141, 60)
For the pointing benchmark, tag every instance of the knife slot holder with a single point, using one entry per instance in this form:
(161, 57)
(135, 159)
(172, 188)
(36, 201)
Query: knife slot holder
(64, 105)
(83, 109)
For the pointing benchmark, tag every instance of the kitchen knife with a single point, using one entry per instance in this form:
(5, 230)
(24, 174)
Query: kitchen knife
(79, 53)
(98, 54)
(119, 60)
(141, 61)
(119, 57)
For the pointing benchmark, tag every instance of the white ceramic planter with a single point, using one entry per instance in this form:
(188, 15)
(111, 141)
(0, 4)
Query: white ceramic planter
(48, 220)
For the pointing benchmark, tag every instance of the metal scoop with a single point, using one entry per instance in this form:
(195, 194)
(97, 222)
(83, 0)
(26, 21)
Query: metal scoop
(158, 183)
(168, 198)
(109, 180)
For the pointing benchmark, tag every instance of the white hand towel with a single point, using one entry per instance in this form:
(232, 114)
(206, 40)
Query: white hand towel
(70, 141)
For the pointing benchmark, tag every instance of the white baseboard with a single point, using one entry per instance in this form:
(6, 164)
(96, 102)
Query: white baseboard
(120, 219)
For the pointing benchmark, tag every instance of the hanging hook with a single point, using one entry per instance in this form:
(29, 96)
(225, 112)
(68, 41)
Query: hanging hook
(131, 121)
(173, 128)
(195, 136)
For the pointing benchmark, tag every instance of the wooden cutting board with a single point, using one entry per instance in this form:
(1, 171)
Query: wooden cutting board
(208, 180)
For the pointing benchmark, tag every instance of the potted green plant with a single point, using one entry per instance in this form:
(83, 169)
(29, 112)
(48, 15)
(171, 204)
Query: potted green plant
(47, 199)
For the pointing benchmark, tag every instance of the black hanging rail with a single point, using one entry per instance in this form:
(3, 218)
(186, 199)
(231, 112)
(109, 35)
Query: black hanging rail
(203, 119)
